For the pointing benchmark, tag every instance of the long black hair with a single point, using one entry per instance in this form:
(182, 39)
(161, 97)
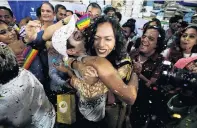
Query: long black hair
(119, 50)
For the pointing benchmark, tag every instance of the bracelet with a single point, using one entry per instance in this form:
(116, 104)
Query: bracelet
(71, 65)
(75, 71)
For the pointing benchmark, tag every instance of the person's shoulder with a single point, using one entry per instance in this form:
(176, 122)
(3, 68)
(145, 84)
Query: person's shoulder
(26, 75)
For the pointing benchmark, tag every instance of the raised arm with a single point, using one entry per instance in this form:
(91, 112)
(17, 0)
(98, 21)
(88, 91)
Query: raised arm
(48, 33)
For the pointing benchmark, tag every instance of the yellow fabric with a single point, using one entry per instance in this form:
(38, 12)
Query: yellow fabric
(66, 105)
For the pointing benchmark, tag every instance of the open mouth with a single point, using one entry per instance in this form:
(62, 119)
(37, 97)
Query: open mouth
(102, 51)
(143, 46)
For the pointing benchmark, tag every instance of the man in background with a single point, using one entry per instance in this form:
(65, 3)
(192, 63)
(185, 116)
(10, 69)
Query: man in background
(69, 13)
(6, 15)
(109, 11)
(60, 12)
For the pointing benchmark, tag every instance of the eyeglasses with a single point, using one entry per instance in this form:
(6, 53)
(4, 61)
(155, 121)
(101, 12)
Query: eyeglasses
(5, 31)
(188, 36)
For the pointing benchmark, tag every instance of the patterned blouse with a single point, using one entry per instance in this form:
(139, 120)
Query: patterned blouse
(98, 88)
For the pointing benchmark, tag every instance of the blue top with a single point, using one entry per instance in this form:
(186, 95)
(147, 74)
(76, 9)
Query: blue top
(39, 66)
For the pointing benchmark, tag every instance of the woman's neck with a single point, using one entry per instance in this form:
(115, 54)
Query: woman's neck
(17, 47)
(146, 55)
(187, 51)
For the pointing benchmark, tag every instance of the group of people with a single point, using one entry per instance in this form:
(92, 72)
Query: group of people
(112, 72)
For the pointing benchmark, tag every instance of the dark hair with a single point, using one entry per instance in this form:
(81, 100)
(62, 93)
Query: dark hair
(130, 23)
(153, 20)
(48, 4)
(107, 9)
(158, 22)
(119, 15)
(94, 5)
(184, 24)
(146, 25)
(59, 6)
(9, 10)
(175, 19)
(8, 65)
(160, 40)
(69, 11)
(38, 12)
(120, 42)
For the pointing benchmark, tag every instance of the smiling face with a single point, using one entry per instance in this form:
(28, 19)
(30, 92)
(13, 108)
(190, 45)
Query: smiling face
(61, 14)
(5, 16)
(47, 13)
(149, 41)
(104, 39)
(188, 39)
(7, 34)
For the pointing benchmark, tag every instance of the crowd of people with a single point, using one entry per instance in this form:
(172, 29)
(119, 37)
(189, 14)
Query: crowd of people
(118, 79)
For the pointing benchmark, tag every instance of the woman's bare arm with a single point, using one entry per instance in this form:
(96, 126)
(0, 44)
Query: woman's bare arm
(110, 77)
(48, 32)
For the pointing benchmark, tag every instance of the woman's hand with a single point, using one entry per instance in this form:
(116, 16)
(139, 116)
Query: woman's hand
(20, 59)
(90, 72)
(90, 75)
(137, 67)
(61, 67)
(31, 29)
